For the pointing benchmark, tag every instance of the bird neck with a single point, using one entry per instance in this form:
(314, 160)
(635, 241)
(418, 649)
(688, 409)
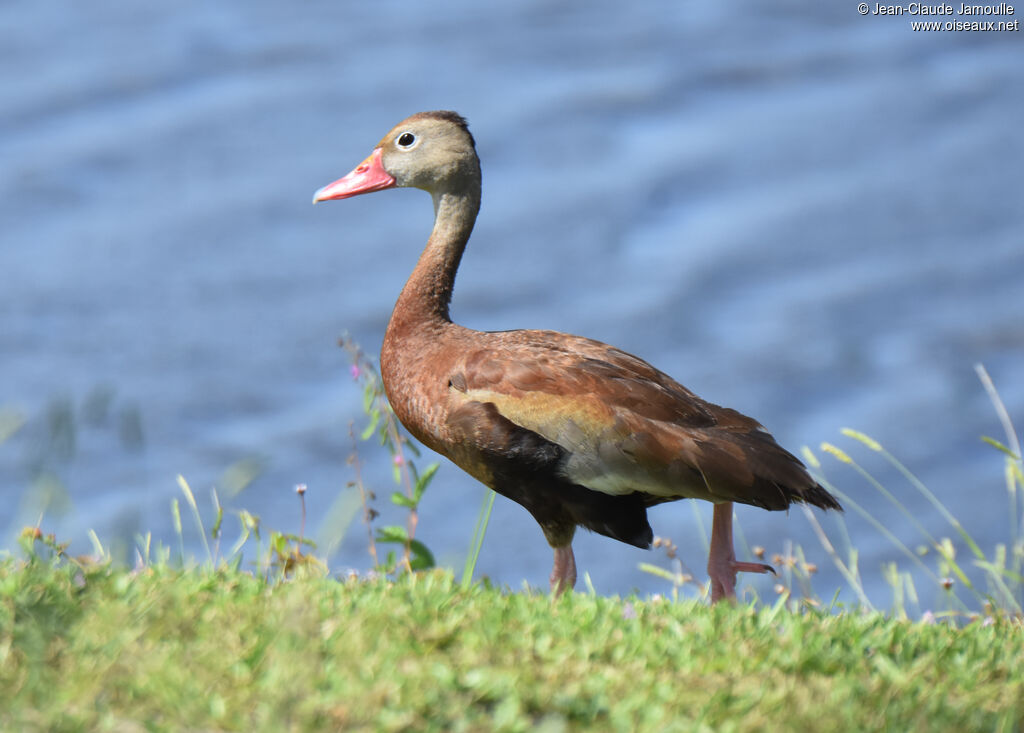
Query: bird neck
(427, 294)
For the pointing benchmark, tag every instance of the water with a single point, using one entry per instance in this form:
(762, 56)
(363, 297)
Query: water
(809, 215)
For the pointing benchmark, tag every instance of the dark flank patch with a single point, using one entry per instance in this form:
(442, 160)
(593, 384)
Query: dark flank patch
(527, 468)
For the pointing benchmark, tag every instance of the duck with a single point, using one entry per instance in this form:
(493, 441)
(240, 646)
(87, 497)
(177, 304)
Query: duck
(577, 432)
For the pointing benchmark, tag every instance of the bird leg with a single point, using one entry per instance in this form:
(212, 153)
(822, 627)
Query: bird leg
(722, 565)
(563, 575)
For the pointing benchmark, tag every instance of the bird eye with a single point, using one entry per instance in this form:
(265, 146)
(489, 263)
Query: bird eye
(406, 140)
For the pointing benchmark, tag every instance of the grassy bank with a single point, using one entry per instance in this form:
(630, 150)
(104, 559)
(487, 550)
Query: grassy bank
(92, 648)
(187, 644)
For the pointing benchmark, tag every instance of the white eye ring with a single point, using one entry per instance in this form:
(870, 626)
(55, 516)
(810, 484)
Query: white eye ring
(407, 140)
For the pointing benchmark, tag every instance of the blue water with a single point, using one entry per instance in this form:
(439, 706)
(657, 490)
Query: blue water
(809, 215)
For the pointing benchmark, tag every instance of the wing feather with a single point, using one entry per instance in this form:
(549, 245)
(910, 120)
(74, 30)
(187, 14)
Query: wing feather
(626, 427)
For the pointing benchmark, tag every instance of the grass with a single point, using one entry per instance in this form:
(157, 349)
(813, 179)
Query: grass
(91, 648)
(969, 580)
(256, 635)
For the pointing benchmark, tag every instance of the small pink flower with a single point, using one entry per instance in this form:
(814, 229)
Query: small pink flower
(355, 371)
(399, 460)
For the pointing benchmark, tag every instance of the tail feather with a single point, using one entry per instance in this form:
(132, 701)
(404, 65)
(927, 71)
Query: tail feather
(819, 497)
(776, 478)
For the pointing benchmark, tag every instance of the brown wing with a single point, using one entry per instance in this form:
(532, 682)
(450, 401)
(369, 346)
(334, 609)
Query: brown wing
(626, 427)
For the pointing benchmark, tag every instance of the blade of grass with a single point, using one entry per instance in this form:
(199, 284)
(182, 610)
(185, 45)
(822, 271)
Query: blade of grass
(97, 547)
(851, 577)
(144, 548)
(840, 523)
(917, 484)
(888, 534)
(191, 499)
(704, 540)
(176, 517)
(875, 446)
(741, 538)
(249, 523)
(997, 570)
(477, 541)
(10, 422)
(1013, 472)
(660, 572)
(1001, 411)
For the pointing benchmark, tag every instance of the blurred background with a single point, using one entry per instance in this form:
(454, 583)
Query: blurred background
(809, 215)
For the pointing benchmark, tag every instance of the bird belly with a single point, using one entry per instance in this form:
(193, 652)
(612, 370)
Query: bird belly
(580, 470)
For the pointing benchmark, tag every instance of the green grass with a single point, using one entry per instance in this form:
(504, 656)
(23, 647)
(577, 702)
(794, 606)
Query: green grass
(186, 643)
(91, 648)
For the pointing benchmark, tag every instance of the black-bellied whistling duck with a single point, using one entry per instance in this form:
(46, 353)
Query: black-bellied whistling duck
(578, 432)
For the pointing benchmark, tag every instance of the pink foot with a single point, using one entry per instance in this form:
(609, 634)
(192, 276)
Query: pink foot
(723, 581)
(722, 564)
